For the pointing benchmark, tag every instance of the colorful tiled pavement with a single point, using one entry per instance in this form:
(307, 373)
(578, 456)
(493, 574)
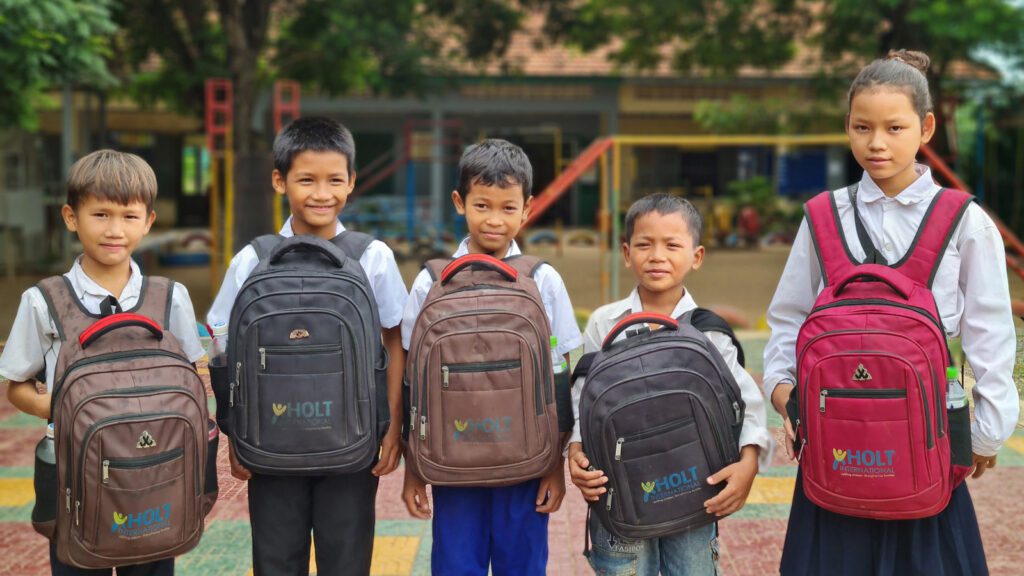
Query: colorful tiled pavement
(751, 539)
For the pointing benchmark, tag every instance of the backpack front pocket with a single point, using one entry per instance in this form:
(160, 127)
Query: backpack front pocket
(142, 505)
(304, 414)
(483, 428)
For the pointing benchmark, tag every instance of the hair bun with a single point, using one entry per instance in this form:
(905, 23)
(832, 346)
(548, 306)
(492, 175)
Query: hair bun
(918, 60)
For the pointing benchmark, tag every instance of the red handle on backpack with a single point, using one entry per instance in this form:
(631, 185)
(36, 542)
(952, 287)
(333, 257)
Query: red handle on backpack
(116, 321)
(484, 260)
(878, 273)
(638, 318)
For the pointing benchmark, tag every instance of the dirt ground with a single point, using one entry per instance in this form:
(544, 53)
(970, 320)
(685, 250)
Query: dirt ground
(743, 279)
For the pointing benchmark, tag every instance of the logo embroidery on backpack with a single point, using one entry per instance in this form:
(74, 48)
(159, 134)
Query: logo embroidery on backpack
(298, 334)
(671, 485)
(303, 415)
(146, 440)
(495, 429)
(144, 523)
(864, 463)
(861, 374)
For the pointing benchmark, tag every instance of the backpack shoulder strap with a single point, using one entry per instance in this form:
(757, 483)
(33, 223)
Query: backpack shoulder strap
(525, 264)
(59, 300)
(583, 366)
(353, 243)
(265, 244)
(871, 254)
(435, 266)
(155, 300)
(707, 321)
(933, 236)
(826, 229)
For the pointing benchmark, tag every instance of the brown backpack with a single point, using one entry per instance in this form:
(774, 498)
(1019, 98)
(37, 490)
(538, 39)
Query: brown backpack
(482, 405)
(131, 434)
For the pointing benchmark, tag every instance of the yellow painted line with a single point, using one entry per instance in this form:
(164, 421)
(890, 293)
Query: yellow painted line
(1016, 443)
(772, 490)
(16, 491)
(394, 555)
(203, 370)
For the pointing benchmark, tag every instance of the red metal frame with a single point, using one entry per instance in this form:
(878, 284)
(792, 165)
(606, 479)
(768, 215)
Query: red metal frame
(219, 112)
(287, 103)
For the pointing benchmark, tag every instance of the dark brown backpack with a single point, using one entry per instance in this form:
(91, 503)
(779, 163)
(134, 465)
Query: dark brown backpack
(131, 434)
(482, 394)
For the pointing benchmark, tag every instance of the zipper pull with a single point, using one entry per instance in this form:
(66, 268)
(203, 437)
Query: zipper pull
(67, 500)
(618, 448)
(412, 421)
(736, 410)
(821, 404)
(78, 506)
(444, 376)
(608, 504)
(263, 358)
(106, 471)
(423, 427)
(231, 394)
(803, 444)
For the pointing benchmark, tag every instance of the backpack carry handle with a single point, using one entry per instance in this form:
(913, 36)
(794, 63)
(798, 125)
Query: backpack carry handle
(878, 273)
(638, 318)
(310, 244)
(116, 321)
(489, 262)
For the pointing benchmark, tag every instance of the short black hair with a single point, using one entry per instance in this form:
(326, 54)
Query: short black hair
(313, 133)
(495, 162)
(665, 204)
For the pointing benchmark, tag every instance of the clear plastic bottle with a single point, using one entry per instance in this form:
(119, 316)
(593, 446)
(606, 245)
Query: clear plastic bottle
(956, 397)
(218, 343)
(557, 360)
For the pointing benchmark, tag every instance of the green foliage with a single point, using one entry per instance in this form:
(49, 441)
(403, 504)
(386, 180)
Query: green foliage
(46, 43)
(742, 114)
(756, 192)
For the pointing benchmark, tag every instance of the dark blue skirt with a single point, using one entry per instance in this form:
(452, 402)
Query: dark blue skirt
(819, 542)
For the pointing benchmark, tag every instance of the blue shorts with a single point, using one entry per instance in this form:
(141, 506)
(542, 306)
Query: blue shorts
(500, 528)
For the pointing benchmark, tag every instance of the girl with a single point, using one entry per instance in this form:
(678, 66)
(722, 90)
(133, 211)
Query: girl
(889, 119)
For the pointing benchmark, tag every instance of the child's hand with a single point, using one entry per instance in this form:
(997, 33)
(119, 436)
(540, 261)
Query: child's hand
(390, 451)
(779, 398)
(237, 470)
(590, 483)
(414, 494)
(982, 463)
(739, 477)
(552, 489)
(25, 397)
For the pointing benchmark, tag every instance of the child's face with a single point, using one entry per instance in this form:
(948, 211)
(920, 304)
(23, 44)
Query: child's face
(317, 187)
(885, 134)
(661, 252)
(494, 216)
(108, 231)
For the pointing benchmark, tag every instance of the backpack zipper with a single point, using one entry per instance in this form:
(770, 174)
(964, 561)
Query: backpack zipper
(58, 389)
(848, 393)
(312, 349)
(608, 502)
(660, 429)
(136, 463)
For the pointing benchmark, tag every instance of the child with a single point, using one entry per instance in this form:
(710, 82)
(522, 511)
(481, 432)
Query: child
(662, 246)
(889, 119)
(110, 207)
(314, 160)
(501, 528)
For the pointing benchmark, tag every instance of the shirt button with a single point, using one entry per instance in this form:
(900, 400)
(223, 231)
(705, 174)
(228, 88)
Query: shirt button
(888, 247)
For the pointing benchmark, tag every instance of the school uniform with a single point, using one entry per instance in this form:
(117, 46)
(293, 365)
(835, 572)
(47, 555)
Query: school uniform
(694, 551)
(972, 294)
(34, 343)
(339, 509)
(498, 528)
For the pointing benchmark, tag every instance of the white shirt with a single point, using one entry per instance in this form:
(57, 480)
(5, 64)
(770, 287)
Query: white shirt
(34, 342)
(552, 293)
(378, 263)
(971, 291)
(754, 431)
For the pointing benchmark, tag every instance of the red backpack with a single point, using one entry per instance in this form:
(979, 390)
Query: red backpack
(874, 435)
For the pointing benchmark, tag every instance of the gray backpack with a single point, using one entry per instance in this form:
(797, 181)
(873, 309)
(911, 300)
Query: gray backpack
(307, 390)
(659, 413)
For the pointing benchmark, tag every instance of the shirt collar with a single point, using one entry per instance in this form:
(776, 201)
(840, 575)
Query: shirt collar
(513, 249)
(632, 304)
(83, 284)
(287, 231)
(919, 190)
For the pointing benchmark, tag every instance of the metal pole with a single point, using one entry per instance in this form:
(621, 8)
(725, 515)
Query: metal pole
(437, 167)
(614, 212)
(604, 240)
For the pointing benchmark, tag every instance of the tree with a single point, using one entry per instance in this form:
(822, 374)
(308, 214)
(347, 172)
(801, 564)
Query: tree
(47, 43)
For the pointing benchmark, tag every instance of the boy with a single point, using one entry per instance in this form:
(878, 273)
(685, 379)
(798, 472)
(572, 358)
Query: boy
(314, 160)
(110, 207)
(662, 246)
(501, 528)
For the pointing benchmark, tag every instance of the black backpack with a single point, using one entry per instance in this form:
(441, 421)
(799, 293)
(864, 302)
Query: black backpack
(660, 412)
(307, 391)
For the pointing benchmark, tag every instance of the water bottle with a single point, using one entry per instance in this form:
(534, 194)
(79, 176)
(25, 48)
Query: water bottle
(956, 397)
(557, 360)
(223, 388)
(218, 343)
(45, 480)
